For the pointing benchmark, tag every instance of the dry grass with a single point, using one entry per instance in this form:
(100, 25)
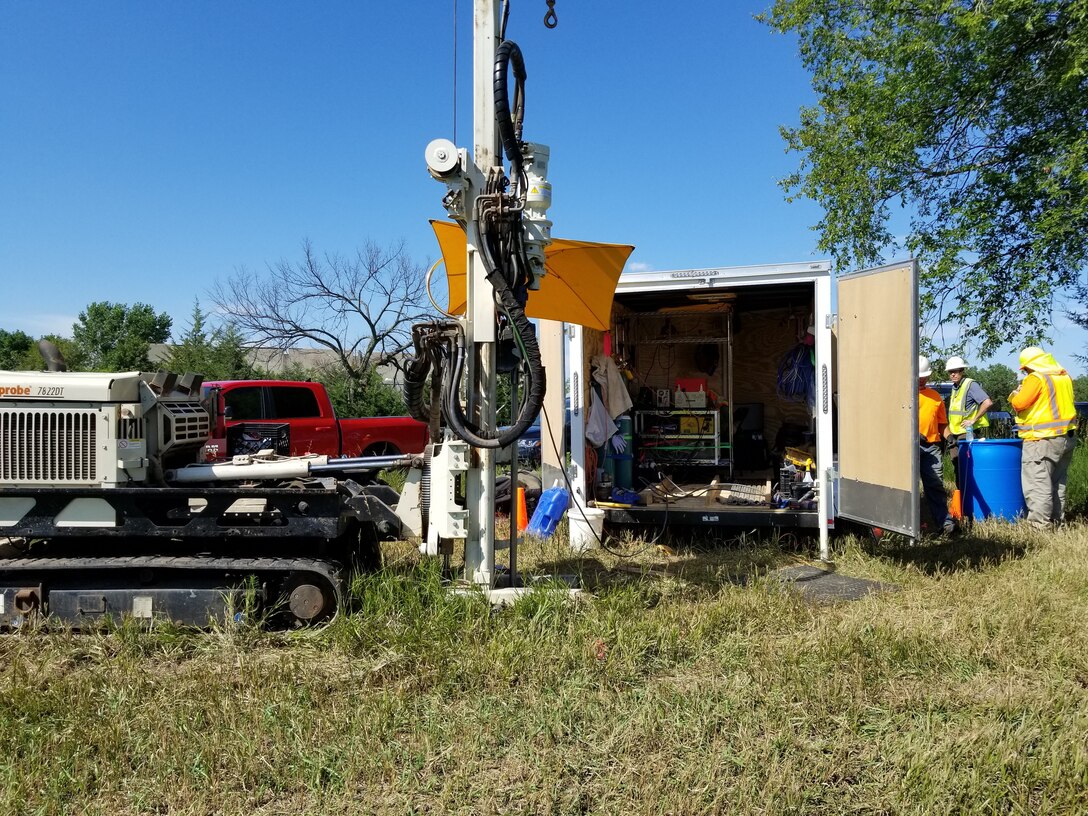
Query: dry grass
(700, 687)
(687, 683)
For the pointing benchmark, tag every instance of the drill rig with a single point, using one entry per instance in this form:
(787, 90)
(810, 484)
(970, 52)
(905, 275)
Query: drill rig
(504, 216)
(106, 508)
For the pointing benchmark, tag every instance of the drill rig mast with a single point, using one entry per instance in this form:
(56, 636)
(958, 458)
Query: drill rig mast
(504, 215)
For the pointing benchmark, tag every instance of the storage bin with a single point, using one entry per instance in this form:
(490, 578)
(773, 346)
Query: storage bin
(990, 469)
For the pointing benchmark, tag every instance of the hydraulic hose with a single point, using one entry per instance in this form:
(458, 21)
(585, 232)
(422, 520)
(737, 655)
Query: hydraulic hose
(526, 338)
(415, 376)
(510, 124)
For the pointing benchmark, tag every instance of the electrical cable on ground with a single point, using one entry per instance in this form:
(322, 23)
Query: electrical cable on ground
(581, 512)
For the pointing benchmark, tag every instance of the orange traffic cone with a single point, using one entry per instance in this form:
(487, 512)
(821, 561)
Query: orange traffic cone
(955, 508)
(523, 513)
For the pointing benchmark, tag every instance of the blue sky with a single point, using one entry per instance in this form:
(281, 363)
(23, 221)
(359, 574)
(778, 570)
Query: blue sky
(149, 149)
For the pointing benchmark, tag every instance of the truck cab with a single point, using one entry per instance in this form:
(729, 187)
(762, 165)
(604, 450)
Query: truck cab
(297, 418)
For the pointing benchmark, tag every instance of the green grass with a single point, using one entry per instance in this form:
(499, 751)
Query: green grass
(1076, 497)
(683, 684)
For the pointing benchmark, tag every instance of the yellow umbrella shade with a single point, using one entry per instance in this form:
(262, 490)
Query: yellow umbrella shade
(578, 287)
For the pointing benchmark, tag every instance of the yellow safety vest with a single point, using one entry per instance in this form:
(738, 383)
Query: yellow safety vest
(957, 415)
(1053, 413)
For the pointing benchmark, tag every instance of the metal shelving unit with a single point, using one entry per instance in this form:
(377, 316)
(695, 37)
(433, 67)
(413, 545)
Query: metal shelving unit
(715, 446)
(703, 447)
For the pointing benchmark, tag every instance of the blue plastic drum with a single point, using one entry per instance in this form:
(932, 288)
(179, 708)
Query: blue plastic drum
(990, 469)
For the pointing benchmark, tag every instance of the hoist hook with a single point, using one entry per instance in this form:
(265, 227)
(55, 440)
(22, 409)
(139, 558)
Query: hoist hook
(550, 20)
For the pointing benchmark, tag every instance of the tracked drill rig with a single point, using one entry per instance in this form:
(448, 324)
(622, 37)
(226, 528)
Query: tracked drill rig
(107, 509)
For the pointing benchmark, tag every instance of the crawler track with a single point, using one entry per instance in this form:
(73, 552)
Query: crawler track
(192, 590)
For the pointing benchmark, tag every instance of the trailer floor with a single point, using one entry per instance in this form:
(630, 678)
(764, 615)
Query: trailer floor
(695, 511)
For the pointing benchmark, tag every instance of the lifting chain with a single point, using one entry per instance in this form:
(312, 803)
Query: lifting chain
(550, 20)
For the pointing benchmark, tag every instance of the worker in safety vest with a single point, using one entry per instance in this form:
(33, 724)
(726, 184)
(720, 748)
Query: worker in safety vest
(1046, 420)
(967, 409)
(932, 431)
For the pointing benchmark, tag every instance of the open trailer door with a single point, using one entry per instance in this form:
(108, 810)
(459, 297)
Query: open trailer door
(877, 397)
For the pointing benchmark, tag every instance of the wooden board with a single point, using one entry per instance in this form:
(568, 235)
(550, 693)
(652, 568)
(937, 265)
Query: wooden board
(761, 340)
(877, 386)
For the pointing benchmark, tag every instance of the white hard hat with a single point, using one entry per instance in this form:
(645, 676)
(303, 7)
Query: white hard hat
(923, 366)
(955, 364)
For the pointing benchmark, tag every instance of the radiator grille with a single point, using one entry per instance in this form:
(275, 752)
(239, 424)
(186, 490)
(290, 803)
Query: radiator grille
(48, 446)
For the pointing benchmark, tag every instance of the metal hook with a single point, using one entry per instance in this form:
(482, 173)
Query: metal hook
(550, 20)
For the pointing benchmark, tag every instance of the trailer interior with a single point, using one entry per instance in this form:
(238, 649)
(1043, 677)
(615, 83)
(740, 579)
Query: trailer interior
(722, 430)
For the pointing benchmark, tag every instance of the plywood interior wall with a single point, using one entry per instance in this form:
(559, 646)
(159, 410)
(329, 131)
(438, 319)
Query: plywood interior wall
(659, 364)
(761, 340)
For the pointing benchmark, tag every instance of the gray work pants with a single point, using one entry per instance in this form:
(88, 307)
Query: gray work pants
(929, 466)
(1044, 468)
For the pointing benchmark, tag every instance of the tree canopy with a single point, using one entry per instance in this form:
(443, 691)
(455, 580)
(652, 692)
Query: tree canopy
(116, 337)
(972, 116)
(998, 381)
(218, 354)
(14, 348)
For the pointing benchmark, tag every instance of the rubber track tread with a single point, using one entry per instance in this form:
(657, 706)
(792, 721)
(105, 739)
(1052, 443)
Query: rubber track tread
(331, 571)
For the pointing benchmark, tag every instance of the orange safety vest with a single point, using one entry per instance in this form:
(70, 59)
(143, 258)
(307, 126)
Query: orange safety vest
(1053, 413)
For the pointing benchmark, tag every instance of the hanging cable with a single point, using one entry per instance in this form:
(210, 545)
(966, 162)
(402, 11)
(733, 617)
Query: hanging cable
(455, 71)
(430, 296)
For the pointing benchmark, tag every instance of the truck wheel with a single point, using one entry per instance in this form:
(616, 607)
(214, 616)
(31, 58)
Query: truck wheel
(382, 449)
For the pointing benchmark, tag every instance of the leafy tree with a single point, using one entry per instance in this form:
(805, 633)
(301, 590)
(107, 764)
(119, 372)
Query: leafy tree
(70, 350)
(374, 398)
(998, 380)
(970, 114)
(1080, 388)
(218, 355)
(14, 347)
(116, 337)
(32, 357)
(360, 308)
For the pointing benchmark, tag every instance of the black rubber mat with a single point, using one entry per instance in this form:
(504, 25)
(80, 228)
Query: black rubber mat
(821, 585)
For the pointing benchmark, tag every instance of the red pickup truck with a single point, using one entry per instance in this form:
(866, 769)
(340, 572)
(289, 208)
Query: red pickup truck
(296, 418)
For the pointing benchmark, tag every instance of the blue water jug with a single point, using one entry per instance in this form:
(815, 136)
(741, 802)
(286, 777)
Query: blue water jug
(549, 510)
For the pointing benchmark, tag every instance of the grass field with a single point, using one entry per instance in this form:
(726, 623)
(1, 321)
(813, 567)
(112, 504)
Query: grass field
(685, 684)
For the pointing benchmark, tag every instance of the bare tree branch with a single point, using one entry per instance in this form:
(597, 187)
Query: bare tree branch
(360, 308)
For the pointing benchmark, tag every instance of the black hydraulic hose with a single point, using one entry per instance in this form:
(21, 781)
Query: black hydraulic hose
(509, 125)
(415, 379)
(455, 416)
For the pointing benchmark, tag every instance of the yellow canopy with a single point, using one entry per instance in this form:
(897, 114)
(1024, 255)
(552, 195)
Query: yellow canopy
(578, 287)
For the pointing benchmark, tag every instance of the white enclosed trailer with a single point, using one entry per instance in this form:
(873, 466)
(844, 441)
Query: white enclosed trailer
(729, 327)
